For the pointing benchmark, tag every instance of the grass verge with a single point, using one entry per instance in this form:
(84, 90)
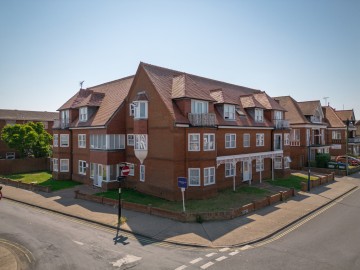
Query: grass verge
(43, 178)
(225, 199)
(293, 181)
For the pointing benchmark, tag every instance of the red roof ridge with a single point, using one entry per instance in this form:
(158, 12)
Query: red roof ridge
(110, 82)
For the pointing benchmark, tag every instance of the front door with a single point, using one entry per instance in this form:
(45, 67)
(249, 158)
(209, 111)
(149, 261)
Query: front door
(246, 171)
(99, 175)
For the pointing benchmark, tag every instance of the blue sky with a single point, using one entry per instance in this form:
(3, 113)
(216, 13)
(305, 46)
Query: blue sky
(306, 49)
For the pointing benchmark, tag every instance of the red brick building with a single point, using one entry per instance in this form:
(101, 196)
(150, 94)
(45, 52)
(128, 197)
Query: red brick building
(12, 117)
(167, 124)
(348, 118)
(308, 129)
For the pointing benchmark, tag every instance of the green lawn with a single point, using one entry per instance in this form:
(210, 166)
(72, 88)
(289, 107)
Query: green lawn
(42, 179)
(293, 181)
(222, 202)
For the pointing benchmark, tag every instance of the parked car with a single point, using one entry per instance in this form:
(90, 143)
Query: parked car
(351, 160)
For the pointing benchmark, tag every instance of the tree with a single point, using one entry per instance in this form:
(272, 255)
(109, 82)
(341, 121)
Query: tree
(30, 139)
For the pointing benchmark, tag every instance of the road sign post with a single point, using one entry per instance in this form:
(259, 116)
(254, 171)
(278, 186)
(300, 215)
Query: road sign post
(182, 183)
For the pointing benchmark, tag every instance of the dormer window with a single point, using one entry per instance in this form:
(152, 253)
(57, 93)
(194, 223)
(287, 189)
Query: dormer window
(140, 109)
(229, 112)
(259, 115)
(199, 106)
(278, 115)
(65, 120)
(83, 114)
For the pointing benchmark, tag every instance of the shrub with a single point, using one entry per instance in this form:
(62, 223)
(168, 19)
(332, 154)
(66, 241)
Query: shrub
(322, 160)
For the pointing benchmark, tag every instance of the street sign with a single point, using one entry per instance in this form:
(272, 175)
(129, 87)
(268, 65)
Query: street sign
(125, 170)
(182, 182)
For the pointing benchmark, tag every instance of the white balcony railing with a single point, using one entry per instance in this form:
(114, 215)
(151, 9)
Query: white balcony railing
(281, 124)
(202, 119)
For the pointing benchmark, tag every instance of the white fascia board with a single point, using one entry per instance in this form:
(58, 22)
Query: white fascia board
(251, 155)
(342, 128)
(307, 126)
(182, 125)
(237, 127)
(99, 127)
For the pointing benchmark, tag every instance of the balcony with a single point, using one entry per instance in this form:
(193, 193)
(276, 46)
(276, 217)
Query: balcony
(281, 124)
(202, 119)
(354, 140)
(58, 124)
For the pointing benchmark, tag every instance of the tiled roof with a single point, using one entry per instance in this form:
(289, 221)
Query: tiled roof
(221, 97)
(109, 95)
(294, 113)
(28, 115)
(268, 102)
(162, 79)
(309, 107)
(250, 101)
(332, 118)
(345, 114)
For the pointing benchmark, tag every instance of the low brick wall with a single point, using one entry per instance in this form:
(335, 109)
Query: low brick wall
(12, 166)
(19, 184)
(319, 182)
(191, 217)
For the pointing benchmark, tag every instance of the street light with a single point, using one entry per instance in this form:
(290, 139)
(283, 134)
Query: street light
(308, 183)
(346, 150)
(120, 180)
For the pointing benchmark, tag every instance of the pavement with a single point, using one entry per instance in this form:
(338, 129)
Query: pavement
(241, 231)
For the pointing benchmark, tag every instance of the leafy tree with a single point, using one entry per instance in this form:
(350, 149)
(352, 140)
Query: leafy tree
(30, 139)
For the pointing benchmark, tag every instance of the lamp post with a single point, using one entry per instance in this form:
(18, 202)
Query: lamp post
(120, 180)
(309, 155)
(346, 150)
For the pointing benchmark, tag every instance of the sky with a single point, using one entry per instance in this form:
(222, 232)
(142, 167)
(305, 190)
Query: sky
(308, 49)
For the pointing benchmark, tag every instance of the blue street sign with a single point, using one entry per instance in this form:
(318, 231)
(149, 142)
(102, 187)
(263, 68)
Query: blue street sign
(182, 182)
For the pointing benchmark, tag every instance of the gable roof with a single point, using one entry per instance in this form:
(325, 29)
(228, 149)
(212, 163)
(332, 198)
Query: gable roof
(332, 118)
(107, 97)
(309, 107)
(345, 114)
(28, 115)
(294, 113)
(250, 101)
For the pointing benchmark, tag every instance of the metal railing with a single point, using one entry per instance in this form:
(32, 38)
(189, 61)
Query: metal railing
(281, 124)
(202, 119)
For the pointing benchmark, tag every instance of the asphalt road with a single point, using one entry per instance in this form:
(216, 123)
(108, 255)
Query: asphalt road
(330, 240)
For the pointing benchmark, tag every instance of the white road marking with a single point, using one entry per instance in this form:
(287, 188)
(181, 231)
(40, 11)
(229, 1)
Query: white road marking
(79, 243)
(210, 254)
(221, 258)
(206, 265)
(246, 247)
(234, 253)
(181, 267)
(224, 249)
(126, 260)
(196, 260)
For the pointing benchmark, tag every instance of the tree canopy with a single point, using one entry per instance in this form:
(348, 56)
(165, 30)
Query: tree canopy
(30, 139)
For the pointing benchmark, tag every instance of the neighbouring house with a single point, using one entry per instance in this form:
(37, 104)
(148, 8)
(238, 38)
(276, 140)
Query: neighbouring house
(336, 132)
(308, 129)
(12, 117)
(165, 124)
(348, 118)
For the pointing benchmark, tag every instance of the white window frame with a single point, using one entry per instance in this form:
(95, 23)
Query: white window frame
(82, 167)
(230, 140)
(199, 106)
(194, 181)
(278, 162)
(142, 173)
(287, 161)
(209, 141)
(130, 139)
(336, 135)
(92, 170)
(65, 117)
(209, 176)
(278, 115)
(194, 145)
(260, 139)
(230, 169)
(132, 169)
(83, 114)
(55, 165)
(286, 138)
(281, 143)
(140, 109)
(259, 115)
(229, 112)
(66, 161)
(259, 164)
(56, 140)
(64, 140)
(82, 140)
(246, 140)
(141, 142)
